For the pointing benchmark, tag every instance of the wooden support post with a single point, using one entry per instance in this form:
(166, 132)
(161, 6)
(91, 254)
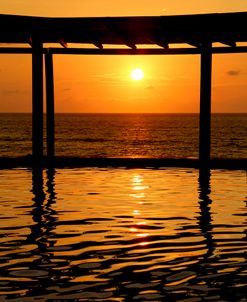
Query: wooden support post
(205, 105)
(37, 102)
(50, 128)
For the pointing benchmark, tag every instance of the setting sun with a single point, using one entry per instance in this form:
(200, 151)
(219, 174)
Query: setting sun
(137, 74)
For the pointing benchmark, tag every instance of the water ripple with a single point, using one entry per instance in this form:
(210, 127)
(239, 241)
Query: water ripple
(184, 243)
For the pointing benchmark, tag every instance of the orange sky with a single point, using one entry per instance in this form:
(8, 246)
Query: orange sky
(103, 83)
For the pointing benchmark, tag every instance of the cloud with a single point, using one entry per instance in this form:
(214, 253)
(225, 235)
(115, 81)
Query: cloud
(107, 77)
(150, 87)
(113, 79)
(233, 72)
(13, 91)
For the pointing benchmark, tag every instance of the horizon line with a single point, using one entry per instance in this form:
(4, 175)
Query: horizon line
(29, 112)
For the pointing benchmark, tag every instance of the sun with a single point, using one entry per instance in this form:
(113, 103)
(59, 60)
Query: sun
(137, 74)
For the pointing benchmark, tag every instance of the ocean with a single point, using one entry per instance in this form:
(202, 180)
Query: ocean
(128, 135)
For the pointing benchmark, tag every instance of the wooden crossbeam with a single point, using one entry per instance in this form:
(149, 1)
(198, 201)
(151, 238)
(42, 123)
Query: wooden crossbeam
(124, 51)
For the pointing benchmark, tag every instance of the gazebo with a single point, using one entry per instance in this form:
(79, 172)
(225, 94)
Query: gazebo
(166, 35)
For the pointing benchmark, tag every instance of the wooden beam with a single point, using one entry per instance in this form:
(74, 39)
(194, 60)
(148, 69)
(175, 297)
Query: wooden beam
(205, 105)
(50, 125)
(37, 102)
(229, 43)
(124, 51)
(145, 51)
(63, 43)
(98, 45)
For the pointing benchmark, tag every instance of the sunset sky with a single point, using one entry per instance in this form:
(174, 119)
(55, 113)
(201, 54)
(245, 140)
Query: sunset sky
(104, 83)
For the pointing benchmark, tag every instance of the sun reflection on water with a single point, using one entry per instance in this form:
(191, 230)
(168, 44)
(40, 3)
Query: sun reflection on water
(139, 195)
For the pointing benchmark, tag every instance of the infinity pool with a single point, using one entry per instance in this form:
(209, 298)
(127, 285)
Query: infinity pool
(123, 235)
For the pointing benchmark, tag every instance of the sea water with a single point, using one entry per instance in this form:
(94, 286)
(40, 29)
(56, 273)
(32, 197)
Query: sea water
(128, 135)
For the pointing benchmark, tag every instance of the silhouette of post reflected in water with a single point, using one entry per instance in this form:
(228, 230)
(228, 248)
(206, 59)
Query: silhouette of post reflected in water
(38, 209)
(51, 214)
(43, 214)
(42, 231)
(205, 219)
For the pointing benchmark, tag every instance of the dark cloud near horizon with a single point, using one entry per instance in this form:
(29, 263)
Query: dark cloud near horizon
(233, 72)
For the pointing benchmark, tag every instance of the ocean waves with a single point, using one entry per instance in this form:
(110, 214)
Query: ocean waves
(128, 135)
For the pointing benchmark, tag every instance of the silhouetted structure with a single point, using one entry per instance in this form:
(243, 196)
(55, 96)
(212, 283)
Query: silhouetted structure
(198, 32)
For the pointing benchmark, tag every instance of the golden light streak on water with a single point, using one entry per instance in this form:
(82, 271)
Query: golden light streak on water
(83, 233)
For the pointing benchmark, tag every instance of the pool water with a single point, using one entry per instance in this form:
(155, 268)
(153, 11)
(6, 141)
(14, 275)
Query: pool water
(92, 234)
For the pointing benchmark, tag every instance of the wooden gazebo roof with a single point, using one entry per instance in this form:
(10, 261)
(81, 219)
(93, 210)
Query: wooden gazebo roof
(194, 30)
